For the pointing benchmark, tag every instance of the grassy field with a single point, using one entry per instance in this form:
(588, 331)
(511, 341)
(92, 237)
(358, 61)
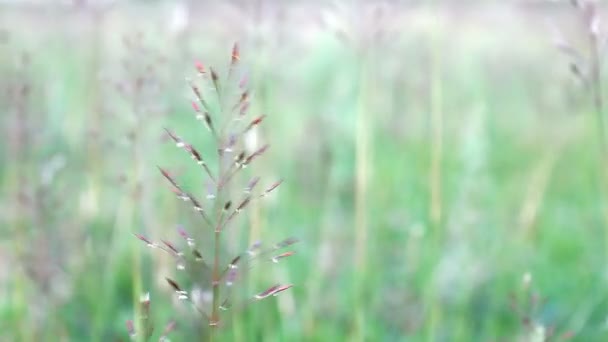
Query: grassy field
(442, 170)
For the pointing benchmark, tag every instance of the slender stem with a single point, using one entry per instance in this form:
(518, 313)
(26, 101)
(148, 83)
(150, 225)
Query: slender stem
(16, 176)
(224, 175)
(436, 156)
(219, 207)
(436, 148)
(362, 156)
(216, 278)
(137, 198)
(598, 108)
(596, 89)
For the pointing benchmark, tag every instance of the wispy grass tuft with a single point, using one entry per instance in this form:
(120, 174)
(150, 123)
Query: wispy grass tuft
(210, 272)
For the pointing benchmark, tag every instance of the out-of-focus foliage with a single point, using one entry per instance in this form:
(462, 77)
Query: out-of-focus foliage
(442, 168)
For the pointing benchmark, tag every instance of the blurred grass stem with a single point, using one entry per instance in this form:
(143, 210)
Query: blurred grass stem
(436, 155)
(363, 162)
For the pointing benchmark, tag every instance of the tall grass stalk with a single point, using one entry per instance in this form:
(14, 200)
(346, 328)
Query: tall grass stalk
(93, 134)
(223, 110)
(534, 196)
(16, 178)
(597, 46)
(137, 84)
(363, 162)
(587, 64)
(436, 156)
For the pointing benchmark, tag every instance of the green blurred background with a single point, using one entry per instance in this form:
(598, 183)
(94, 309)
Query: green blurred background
(441, 164)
